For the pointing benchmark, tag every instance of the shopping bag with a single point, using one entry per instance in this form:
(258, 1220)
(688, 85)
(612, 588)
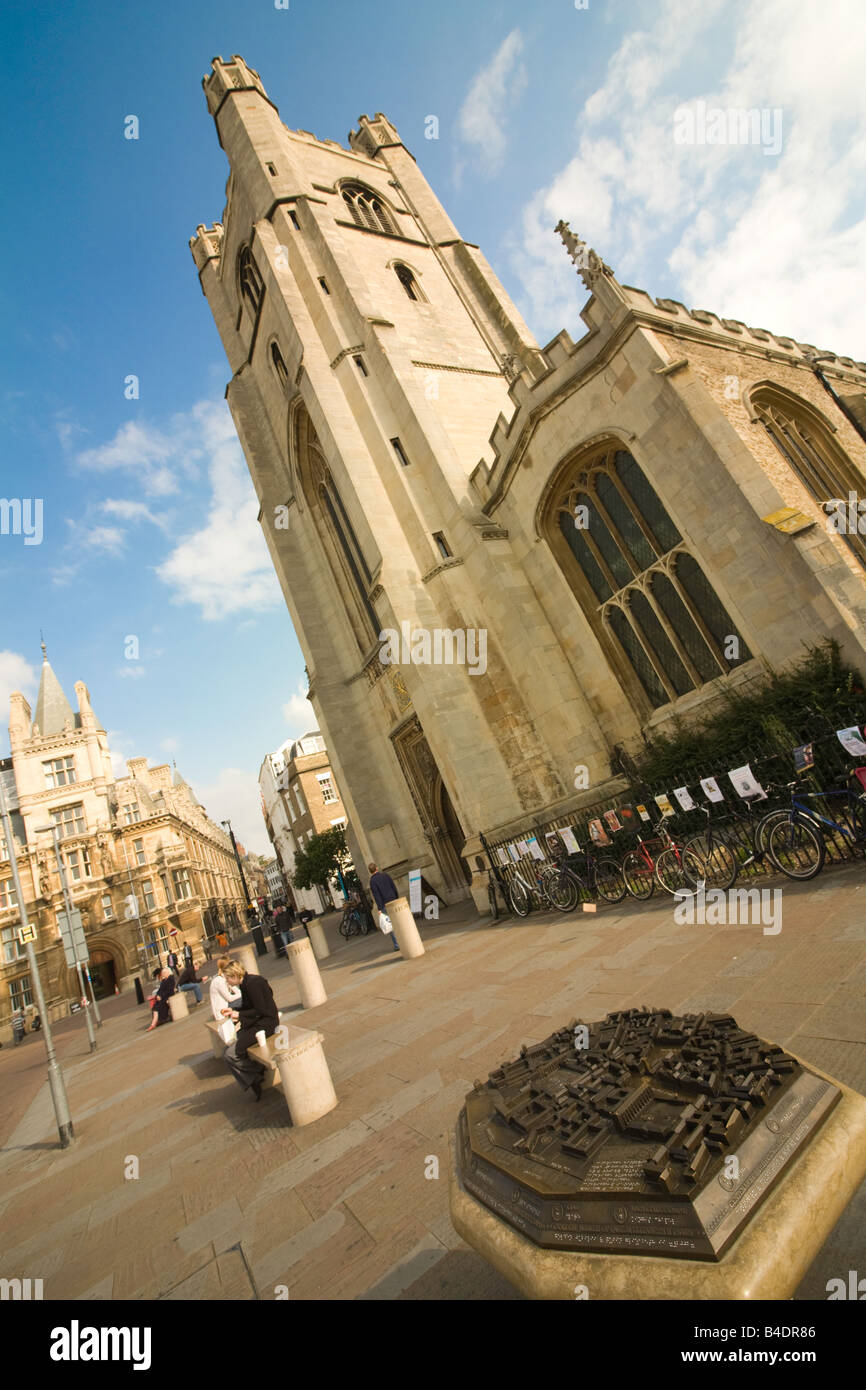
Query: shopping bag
(385, 923)
(227, 1030)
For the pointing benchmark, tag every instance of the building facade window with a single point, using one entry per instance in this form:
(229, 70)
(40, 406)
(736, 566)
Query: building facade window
(138, 846)
(8, 896)
(400, 452)
(182, 885)
(806, 442)
(59, 772)
(12, 948)
(279, 365)
(149, 897)
(78, 864)
(367, 209)
(442, 545)
(70, 820)
(107, 908)
(20, 993)
(166, 889)
(131, 813)
(409, 283)
(644, 592)
(327, 786)
(249, 280)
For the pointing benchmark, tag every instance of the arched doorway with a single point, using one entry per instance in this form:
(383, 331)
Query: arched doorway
(448, 822)
(103, 973)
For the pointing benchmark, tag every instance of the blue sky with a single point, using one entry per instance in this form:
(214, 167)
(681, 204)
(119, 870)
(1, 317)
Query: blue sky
(544, 110)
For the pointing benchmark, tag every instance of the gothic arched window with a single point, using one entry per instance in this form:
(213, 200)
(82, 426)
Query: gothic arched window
(367, 208)
(646, 595)
(249, 280)
(408, 281)
(279, 365)
(805, 441)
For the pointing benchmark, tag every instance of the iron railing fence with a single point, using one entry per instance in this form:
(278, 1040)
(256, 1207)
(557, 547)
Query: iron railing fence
(772, 764)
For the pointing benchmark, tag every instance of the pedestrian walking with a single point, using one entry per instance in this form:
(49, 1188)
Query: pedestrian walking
(187, 953)
(19, 1027)
(384, 891)
(256, 1012)
(172, 960)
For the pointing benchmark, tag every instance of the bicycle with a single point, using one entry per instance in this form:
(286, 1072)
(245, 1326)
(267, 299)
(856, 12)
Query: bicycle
(521, 890)
(565, 885)
(675, 868)
(352, 922)
(494, 881)
(720, 859)
(794, 835)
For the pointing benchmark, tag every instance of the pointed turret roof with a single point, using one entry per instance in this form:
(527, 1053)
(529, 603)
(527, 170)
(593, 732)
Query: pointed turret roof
(52, 707)
(177, 780)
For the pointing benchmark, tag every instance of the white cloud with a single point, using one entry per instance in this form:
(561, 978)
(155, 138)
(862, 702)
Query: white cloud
(298, 713)
(235, 796)
(777, 241)
(16, 673)
(224, 567)
(121, 747)
(170, 745)
(481, 120)
(109, 539)
(132, 671)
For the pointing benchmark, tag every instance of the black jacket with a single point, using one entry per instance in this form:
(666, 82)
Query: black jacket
(256, 1010)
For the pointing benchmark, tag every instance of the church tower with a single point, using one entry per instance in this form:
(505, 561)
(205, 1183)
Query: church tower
(372, 351)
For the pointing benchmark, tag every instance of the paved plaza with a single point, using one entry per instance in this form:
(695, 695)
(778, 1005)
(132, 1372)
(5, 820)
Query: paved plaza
(232, 1202)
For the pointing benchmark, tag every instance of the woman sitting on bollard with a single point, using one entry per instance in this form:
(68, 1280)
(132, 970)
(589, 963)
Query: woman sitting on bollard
(161, 1011)
(256, 1012)
(222, 994)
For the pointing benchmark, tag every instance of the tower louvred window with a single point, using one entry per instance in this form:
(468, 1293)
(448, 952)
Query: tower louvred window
(249, 280)
(367, 209)
(646, 595)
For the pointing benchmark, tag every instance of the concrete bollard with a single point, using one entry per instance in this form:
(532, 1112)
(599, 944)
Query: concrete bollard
(405, 930)
(178, 1006)
(317, 940)
(248, 959)
(305, 1077)
(306, 972)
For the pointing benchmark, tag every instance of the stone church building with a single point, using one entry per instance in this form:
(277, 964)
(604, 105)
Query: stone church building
(623, 525)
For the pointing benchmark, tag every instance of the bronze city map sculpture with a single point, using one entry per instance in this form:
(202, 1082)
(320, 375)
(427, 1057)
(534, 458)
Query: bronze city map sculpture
(643, 1133)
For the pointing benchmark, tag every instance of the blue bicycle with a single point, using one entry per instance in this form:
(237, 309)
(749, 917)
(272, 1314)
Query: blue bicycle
(794, 836)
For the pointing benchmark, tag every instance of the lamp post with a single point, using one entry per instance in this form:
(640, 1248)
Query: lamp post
(55, 1075)
(238, 860)
(52, 831)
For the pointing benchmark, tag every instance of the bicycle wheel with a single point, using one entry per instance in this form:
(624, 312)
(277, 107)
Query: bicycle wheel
(363, 925)
(637, 876)
(679, 871)
(548, 874)
(796, 848)
(345, 929)
(609, 881)
(720, 860)
(518, 894)
(563, 892)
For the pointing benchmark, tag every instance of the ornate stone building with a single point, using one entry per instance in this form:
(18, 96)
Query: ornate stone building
(632, 522)
(144, 865)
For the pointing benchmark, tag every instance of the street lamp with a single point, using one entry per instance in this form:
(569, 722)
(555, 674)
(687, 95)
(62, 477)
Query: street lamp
(55, 1075)
(238, 860)
(61, 869)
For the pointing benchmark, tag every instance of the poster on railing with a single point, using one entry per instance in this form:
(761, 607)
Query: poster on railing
(628, 816)
(501, 855)
(746, 784)
(682, 796)
(523, 848)
(643, 812)
(534, 847)
(613, 821)
(664, 805)
(804, 757)
(711, 789)
(597, 833)
(852, 741)
(569, 839)
(515, 853)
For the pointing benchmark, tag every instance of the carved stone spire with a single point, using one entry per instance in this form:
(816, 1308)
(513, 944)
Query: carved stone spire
(589, 265)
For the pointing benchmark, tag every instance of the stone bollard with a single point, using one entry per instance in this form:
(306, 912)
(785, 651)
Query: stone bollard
(306, 972)
(248, 959)
(405, 930)
(317, 940)
(178, 1006)
(306, 1080)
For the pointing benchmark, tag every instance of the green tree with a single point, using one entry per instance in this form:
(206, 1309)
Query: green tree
(320, 859)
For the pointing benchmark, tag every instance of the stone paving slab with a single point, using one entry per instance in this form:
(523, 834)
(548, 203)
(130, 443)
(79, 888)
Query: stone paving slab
(232, 1202)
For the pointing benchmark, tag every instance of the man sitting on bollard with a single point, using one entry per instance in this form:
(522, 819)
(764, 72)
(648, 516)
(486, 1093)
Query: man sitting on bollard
(188, 980)
(384, 890)
(256, 1012)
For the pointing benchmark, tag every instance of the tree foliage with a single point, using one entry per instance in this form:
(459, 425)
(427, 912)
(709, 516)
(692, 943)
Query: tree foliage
(318, 861)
